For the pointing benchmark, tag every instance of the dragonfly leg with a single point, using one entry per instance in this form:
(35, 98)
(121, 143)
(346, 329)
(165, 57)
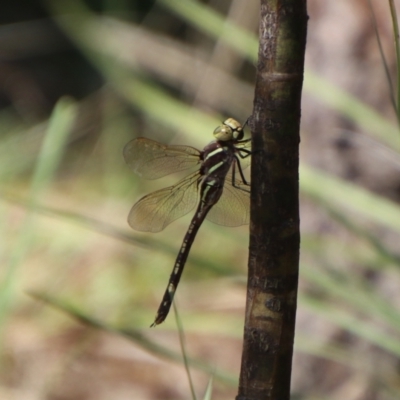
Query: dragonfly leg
(241, 175)
(247, 153)
(248, 122)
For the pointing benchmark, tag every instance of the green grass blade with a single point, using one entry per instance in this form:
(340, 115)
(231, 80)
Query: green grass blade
(60, 125)
(325, 187)
(183, 350)
(364, 116)
(53, 146)
(347, 320)
(215, 25)
(355, 292)
(208, 392)
(131, 334)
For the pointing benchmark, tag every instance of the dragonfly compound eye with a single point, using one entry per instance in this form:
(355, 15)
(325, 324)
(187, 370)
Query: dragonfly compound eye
(223, 132)
(237, 129)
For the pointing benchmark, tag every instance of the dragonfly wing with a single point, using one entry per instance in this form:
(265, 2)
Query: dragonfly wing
(153, 160)
(152, 213)
(233, 208)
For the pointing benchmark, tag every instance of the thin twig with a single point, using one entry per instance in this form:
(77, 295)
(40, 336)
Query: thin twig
(396, 43)
(384, 62)
(183, 350)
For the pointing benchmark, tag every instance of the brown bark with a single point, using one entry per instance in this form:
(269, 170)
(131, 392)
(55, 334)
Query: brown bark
(274, 229)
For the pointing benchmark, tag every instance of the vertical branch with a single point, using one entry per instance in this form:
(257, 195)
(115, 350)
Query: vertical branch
(274, 230)
(395, 24)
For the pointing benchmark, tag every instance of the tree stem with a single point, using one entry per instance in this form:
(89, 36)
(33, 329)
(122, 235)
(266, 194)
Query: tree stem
(274, 229)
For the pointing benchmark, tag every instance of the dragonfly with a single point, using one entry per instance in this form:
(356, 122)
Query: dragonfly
(222, 200)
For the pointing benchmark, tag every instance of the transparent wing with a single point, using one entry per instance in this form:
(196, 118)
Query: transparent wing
(233, 208)
(153, 160)
(152, 213)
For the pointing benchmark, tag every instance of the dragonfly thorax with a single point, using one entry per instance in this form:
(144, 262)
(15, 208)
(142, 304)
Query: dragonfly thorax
(217, 159)
(229, 130)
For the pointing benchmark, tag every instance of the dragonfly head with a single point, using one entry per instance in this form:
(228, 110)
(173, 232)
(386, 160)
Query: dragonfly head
(229, 130)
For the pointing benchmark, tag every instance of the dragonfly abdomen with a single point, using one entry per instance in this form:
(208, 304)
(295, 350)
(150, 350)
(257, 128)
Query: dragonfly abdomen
(180, 261)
